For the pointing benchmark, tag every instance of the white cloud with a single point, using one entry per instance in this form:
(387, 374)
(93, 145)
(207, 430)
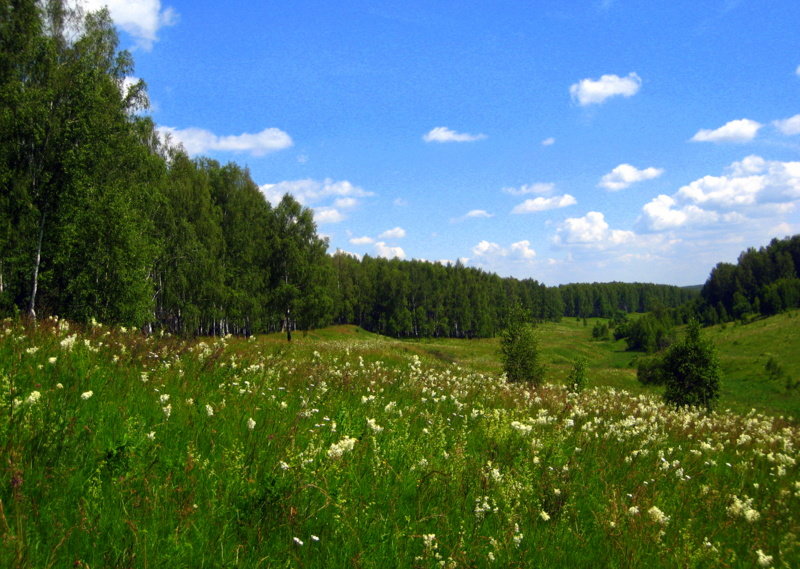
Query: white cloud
(543, 188)
(345, 203)
(362, 240)
(788, 126)
(400, 202)
(752, 187)
(797, 71)
(488, 249)
(396, 233)
(591, 229)
(472, 214)
(444, 134)
(140, 18)
(198, 140)
(624, 175)
(543, 204)
(327, 215)
(523, 249)
(310, 191)
(549, 141)
(383, 250)
(740, 130)
(593, 92)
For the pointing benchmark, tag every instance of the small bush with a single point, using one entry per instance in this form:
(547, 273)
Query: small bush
(691, 371)
(650, 370)
(577, 376)
(519, 351)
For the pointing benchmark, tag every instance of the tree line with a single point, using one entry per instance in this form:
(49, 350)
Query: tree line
(101, 218)
(763, 281)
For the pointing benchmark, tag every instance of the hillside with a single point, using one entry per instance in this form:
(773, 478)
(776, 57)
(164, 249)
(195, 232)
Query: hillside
(346, 449)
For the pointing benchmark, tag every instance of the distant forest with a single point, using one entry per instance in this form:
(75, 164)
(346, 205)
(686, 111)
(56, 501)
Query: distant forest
(100, 218)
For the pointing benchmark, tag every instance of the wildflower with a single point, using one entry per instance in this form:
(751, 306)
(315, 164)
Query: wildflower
(372, 424)
(151, 435)
(764, 560)
(32, 350)
(298, 541)
(633, 510)
(52, 360)
(59, 386)
(314, 537)
(344, 445)
(167, 410)
(164, 398)
(87, 395)
(144, 377)
(283, 465)
(33, 398)
(209, 410)
(544, 515)
(658, 516)
(68, 342)
(251, 424)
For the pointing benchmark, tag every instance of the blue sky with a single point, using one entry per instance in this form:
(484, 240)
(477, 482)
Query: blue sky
(567, 141)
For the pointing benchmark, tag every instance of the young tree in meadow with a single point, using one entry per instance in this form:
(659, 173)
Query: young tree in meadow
(519, 349)
(691, 371)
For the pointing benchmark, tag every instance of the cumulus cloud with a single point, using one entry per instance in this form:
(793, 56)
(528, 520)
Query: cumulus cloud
(396, 233)
(740, 130)
(752, 187)
(788, 126)
(595, 91)
(591, 229)
(473, 214)
(624, 175)
(388, 252)
(488, 249)
(444, 134)
(544, 204)
(141, 19)
(523, 249)
(362, 240)
(198, 140)
(541, 188)
(549, 141)
(327, 215)
(309, 191)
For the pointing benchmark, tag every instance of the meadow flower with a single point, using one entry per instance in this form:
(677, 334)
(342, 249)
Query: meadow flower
(52, 360)
(297, 540)
(68, 342)
(372, 424)
(167, 410)
(346, 444)
(314, 537)
(87, 395)
(633, 510)
(32, 350)
(151, 435)
(251, 424)
(764, 560)
(59, 386)
(544, 515)
(209, 410)
(658, 516)
(164, 398)
(33, 398)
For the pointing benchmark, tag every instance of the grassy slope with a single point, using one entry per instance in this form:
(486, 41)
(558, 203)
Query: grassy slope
(743, 352)
(124, 451)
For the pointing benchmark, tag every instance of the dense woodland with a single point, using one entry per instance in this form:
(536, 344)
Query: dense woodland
(101, 218)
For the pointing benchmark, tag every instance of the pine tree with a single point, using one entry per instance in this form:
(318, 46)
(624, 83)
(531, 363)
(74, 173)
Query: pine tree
(691, 371)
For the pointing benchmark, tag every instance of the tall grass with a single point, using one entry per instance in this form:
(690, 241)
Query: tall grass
(125, 451)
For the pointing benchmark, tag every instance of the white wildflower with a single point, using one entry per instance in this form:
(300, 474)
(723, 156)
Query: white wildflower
(251, 424)
(764, 560)
(344, 445)
(544, 515)
(297, 540)
(33, 398)
(209, 410)
(87, 395)
(658, 516)
(167, 410)
(372, 424)
(164, 398)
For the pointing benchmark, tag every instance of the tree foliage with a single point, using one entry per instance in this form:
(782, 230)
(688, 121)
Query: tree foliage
(691, 371)
(519, 350)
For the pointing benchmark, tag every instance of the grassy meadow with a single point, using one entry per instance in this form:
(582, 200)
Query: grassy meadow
(345, 449)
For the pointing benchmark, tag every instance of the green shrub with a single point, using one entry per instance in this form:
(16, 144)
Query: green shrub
(519, 352)
(691, 371)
